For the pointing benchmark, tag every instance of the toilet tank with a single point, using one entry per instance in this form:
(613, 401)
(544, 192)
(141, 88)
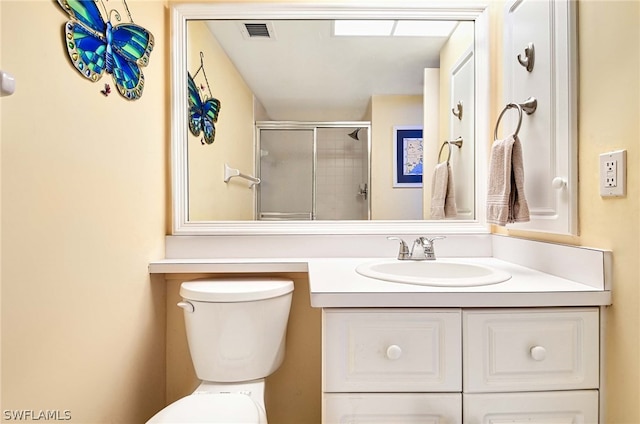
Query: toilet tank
(236, 327)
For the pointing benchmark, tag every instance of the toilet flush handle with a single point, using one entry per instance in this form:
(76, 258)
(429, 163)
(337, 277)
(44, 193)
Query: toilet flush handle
(187, 306)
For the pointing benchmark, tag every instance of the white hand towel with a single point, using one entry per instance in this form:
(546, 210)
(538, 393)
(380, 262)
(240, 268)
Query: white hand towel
(505, 198)
(443, 201)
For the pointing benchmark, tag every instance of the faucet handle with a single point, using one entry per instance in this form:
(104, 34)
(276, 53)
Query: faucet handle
(403, 252)
(427, 244)
(430, 240)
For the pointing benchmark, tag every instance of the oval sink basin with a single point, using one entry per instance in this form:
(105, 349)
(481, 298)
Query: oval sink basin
(441, 273)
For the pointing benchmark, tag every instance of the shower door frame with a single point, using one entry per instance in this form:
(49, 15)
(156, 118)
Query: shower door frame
(312, 125)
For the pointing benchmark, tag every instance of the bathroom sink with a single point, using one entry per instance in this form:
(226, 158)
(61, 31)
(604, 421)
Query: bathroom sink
(440, 272)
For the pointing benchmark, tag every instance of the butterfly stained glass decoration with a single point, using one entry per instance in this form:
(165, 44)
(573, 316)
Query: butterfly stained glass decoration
(203, 112)
(95, 44)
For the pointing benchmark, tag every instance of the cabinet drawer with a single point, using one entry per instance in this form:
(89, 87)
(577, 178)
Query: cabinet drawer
(405, 408)
(391, 350)
(531, 349)
(568, 407)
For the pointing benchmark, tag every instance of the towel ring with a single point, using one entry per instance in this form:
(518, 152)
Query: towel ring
(529, 106)
(457, 142)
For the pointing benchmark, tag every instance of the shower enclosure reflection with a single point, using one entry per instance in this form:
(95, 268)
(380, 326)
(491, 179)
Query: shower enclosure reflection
(311, 171)
(359, 86)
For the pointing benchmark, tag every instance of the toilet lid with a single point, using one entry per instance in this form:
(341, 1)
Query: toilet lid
(235, 289)
(210, 408)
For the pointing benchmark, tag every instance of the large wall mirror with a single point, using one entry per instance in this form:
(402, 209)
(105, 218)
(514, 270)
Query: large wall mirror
(315, 110)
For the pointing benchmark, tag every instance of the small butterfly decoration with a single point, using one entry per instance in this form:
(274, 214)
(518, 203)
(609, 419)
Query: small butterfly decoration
(107, 90)
(96, 44)
(203, 112)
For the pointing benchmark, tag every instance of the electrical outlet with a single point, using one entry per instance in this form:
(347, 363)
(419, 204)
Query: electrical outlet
(613, 172)
(611, 169)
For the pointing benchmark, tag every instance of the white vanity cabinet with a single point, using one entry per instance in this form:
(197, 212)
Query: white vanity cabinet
(392, 366)
(461, 365)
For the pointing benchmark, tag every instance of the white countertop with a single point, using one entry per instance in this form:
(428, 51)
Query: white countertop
(227, 265)
(543, 273)
(335, 283)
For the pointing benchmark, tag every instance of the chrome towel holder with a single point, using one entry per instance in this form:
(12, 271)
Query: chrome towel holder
(456, 142)
(529, 106)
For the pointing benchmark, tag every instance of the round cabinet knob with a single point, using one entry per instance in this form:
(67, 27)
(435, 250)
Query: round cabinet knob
(558, 183)
(538, 353)
(394, 352)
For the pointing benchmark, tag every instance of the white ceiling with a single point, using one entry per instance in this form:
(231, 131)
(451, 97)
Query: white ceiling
(304, 73)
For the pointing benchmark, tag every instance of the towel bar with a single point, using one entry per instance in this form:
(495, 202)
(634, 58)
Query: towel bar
(529, 106)
(457, 142)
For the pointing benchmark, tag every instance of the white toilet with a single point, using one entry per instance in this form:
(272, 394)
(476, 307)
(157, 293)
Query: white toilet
(236, 329)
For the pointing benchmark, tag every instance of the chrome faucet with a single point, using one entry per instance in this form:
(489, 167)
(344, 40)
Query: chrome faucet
(422, 249)
(403, 252)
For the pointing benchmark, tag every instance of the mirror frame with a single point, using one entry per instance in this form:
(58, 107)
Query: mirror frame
(389, 9)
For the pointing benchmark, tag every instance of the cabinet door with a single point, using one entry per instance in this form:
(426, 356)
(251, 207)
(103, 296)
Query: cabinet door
(388, 408)
(530, 349)
(549, 135)
(391, 350)
(569, 407)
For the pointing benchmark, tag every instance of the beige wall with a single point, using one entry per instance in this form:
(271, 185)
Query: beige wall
(388, 202)
(608, 120)
(0, 221)
(83, 212)
(210, 198)
(82, 325)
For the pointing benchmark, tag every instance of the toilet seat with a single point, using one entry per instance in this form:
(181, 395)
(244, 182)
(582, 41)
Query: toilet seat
(211, 408)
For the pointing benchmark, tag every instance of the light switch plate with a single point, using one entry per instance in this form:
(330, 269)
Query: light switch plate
(613, 174)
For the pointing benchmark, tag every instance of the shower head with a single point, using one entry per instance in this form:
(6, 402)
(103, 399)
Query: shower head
(354, 134)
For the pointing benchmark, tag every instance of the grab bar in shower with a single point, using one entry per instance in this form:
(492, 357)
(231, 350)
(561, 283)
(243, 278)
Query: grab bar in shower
(232, 172)
(277, 216)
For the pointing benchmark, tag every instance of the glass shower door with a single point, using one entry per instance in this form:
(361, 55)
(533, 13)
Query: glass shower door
(342, 173)
(286, 166)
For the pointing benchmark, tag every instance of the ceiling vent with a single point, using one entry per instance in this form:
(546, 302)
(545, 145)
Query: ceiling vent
(258, 30)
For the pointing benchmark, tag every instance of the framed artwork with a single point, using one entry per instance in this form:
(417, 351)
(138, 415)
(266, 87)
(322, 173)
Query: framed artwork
(407, 156)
